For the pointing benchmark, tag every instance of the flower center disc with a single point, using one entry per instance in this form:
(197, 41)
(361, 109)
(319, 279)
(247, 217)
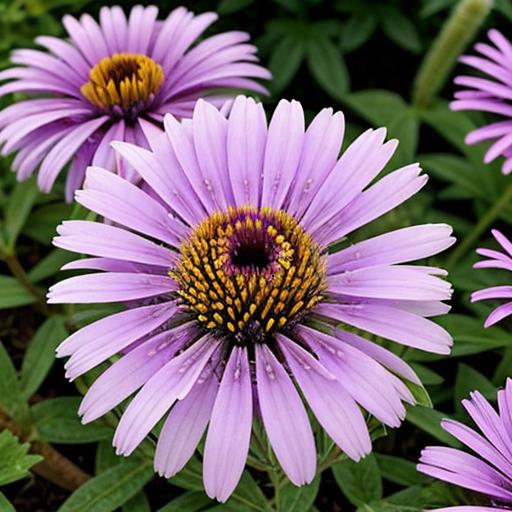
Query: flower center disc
(249, 271)
(127, 81)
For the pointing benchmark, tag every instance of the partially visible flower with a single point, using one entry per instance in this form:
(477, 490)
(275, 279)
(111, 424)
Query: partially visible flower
(502, 260)
(240, 300)
(115, 81)
(492, 94)
(488, 473)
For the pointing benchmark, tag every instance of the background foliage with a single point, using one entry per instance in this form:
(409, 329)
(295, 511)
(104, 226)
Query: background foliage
(360, 56)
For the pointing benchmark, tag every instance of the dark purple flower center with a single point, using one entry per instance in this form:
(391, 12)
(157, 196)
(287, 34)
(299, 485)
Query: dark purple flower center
(249, 272)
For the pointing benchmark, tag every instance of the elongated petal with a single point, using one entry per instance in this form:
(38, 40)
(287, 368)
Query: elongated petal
(229, 433)
(285, 418)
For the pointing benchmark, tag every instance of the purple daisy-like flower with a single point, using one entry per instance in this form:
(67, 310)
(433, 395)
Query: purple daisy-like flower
(113, 80)
(501, 260)
(240, 299)
(491, 472)
(493, 94)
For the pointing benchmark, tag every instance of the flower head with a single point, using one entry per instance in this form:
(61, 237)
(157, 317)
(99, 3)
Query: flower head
(114, 80)
(491, 94)
(240, 299)
(502, 260)
(491, 472)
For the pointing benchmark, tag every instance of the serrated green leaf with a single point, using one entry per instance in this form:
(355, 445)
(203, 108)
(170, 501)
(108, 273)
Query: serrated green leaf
(57, 421)
(360, 482)
(40, 354)
(15, 461)
(12, 294)
(111, 489)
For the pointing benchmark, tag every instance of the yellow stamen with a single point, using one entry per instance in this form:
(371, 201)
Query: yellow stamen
(124, 80)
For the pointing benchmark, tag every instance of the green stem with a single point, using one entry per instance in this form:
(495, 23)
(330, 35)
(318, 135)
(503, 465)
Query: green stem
(463, 23)
(19, 273)
(483, 225)
(276, 484)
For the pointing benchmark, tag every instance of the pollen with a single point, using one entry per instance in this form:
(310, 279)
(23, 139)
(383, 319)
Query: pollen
(123, 83)
(249, 271)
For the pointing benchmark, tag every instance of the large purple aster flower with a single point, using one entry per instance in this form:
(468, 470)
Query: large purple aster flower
(491, 472)
(109, 81)
(490, 95)
(502, 260)
(240, 298)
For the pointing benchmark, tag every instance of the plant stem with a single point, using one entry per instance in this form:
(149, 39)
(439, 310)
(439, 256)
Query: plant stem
(55, 467)
(483, 225)
(17, 270)
(463, 23)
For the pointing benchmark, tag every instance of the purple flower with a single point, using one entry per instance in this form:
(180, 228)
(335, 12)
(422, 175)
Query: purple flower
(491, 472)
(501, 260)
(490, 95)
(114, 81)
(240, 300)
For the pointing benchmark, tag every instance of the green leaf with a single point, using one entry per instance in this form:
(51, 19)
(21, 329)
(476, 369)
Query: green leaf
(192, 501)
(360, 482)
(285, 61)
(111, 489)
(190, 477)
(19, 205)
(11, 397)
(398, 470)
(470, 336)
(106, 457)
(467, 380)
(377, 106)
(139, 503)
(15, 460)
(231, 6)
(42, 223)
(299, 499)
(426, 375)
(357, 31)
(40, 354)
(248, 496)
(429, 420)
(12, 294)
(405, 128)
(5, 504)
(57, 421)
(399, 28)
(327, 66)
(50, 265)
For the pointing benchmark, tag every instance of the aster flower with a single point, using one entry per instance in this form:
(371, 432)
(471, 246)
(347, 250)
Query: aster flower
(240, 301)
(114, 80)
(491, 472)
(491, 94)
(502, 260)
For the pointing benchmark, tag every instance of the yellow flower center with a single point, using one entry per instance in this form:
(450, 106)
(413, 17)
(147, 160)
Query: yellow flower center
(250, 271)
(125, 82)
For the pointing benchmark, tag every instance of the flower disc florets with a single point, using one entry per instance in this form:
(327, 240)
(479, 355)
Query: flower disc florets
(123, 83)
(249, 271)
